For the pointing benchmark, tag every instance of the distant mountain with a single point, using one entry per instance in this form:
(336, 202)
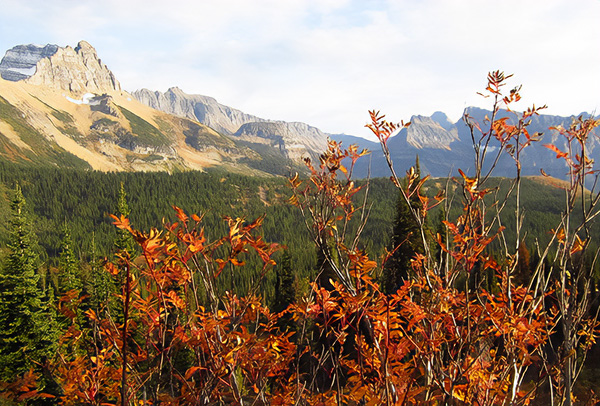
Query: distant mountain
(204, 109)
(444, 147)
(77, 70)
(294, 140)
(20, 62)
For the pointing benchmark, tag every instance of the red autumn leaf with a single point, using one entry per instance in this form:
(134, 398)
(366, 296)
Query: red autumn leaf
(121, 222)
(559, 153)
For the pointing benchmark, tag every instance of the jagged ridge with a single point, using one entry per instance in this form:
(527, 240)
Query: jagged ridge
(294, 140)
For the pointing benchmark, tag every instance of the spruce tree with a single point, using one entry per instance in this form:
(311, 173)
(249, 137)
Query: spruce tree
(285, 293)
(440, 255)
(68, 266)
(27, 328)
(406, 240)
(124, 242)
(102, 286)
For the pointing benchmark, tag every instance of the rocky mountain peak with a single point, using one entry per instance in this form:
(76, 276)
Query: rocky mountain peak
(425, 132)
(442, 119)
(76, 70)
(294, 140)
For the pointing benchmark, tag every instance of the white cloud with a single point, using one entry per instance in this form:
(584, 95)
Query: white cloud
(327, 62)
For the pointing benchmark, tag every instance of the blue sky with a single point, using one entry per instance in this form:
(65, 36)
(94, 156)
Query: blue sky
(327, 62)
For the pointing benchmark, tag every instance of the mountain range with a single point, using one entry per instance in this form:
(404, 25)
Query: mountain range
(62, 106)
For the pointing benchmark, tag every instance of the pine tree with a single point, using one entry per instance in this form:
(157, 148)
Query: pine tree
(522, 273)
(325, 272)
(102, 286)
(441, 231)
(27, 329)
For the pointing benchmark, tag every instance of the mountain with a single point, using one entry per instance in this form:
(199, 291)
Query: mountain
(62, 106)
(294, 140)
(204, 109)
(443, 147)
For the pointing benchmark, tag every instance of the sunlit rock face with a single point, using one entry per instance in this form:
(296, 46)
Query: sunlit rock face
(76, 70)
(425, 132)
(295, 140)
(203, 109)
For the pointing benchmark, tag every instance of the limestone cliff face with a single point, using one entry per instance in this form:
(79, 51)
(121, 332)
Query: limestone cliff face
(76, 70)
(64, 107)
(203, 109)
(294, 140)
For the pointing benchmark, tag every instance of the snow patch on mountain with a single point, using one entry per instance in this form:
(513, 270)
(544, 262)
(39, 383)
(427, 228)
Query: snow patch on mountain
(87, 98)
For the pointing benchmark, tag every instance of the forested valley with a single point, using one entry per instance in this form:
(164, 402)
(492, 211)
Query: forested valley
(61, 202)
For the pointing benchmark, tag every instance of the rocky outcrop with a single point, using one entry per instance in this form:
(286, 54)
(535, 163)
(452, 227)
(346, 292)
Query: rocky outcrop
(104, 104)
(70, 103)
(295, 140)
(76, 70)
(443, 120)
(203, 109)
(20, 62)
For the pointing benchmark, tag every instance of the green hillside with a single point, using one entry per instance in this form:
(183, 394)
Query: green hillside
(84, 199)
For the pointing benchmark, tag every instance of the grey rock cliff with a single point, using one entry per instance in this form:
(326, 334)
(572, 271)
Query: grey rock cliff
(424, 132)
(204, 109)
(20, 62)
(294, 140)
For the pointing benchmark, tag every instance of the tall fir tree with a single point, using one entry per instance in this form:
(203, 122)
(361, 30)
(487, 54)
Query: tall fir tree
(68, 266)
(285, 292)
(406, 240)
(441, 231)
(102, 286)
(28, 333)
(124, 242)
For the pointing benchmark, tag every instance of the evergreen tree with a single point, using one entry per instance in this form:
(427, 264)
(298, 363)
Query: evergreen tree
(124, 242)
(68, 266)
(284, 286)
(522, 273)
(440, 255)
(102, 285)
(406, 240)
(325, 272)
(27, 329)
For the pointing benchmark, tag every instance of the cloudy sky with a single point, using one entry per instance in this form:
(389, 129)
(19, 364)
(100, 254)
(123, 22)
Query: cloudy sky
(327, 62)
